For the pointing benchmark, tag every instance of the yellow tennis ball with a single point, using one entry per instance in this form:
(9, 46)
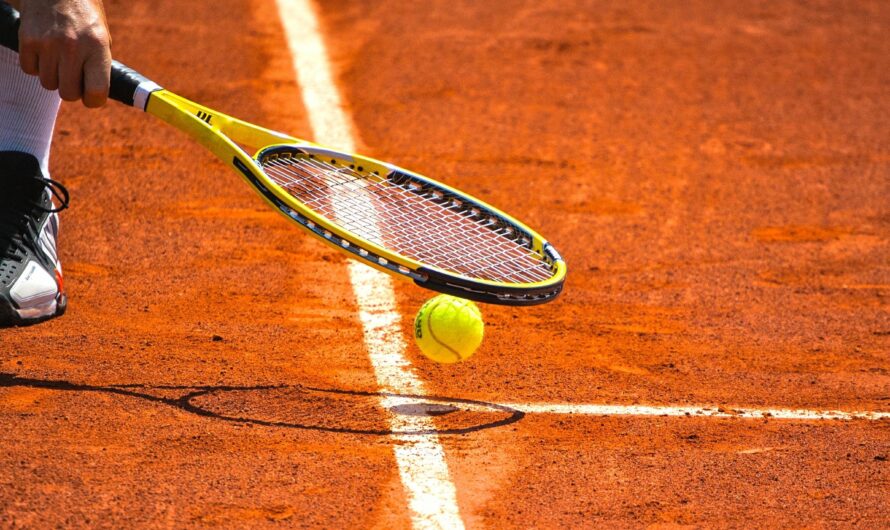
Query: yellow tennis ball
(448, 329)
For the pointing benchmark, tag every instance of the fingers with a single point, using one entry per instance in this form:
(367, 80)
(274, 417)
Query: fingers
(96, 79)
(28, 59)
(77, 68)
(38, 56)
(48, 65)
(70, 77)
(70, 54)
(85, 74)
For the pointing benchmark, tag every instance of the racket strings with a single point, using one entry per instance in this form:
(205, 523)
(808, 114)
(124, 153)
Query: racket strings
(360, 225)
(505, 265)
(476, 231)
(410, 223)
(363, 223)
(405, 217)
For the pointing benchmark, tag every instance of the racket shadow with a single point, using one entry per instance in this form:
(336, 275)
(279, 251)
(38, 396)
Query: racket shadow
(300, 407)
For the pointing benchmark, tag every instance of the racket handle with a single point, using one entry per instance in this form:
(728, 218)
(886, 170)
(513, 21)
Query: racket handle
(127, 85)
(9, 27)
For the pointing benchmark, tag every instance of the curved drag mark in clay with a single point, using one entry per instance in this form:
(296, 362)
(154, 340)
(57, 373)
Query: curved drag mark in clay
(420, 405)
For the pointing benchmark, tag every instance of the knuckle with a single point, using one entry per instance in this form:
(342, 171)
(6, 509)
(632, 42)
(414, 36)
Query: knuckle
(30, 48)
(28, 41)
(30, 68)
(66, 40)
(96, 38)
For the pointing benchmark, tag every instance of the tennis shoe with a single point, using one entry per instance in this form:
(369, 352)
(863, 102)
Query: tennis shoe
(31, 289)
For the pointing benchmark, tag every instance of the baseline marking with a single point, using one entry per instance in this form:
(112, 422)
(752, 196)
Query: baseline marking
(432, 498)
(695, 411)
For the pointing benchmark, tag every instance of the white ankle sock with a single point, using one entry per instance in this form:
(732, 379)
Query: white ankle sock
(27, 111)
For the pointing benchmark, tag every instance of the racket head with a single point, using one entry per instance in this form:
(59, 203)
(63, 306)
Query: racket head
(410, 226)
(395, 220)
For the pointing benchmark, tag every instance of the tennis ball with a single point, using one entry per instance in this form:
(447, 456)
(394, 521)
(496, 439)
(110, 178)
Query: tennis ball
(448, 329)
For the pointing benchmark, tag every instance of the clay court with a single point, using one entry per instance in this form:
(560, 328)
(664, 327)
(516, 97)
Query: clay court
(716, 175)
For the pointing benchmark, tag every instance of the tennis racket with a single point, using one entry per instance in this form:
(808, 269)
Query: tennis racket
(392, 219)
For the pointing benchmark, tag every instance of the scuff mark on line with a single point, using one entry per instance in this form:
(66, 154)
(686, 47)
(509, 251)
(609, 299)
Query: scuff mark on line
(692, 410)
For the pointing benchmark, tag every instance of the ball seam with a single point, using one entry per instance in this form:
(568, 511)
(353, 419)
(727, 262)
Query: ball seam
(429, 325)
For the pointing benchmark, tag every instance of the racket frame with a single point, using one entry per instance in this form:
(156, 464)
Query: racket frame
(226, 137)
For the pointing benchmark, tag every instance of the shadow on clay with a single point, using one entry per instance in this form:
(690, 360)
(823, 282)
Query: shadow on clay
(415, 405)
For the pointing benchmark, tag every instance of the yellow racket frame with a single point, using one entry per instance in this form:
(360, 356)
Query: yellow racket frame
(226, 138)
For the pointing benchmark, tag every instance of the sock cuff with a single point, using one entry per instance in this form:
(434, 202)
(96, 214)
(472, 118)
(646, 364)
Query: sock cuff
(27, 111)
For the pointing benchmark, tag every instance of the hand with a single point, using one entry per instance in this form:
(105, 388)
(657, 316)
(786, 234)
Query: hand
(67, 44)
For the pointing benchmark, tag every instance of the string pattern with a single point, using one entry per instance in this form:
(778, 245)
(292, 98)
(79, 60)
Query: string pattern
(417, 220)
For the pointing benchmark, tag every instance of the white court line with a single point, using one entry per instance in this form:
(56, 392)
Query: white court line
(423, 470)
(432, 499)
(700, 411)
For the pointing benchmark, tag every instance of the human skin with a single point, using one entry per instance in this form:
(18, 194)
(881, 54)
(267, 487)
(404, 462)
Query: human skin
(67, 44)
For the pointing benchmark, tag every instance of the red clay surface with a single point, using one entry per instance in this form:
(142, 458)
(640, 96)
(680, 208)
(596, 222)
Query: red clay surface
(716, 176)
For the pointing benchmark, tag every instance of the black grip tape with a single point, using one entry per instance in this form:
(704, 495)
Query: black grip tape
(124, 80)
(9, 27)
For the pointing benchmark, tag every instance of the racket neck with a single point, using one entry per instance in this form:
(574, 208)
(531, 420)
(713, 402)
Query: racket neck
(210, 127)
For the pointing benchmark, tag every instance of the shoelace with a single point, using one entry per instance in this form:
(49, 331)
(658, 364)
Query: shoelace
(19, 211)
